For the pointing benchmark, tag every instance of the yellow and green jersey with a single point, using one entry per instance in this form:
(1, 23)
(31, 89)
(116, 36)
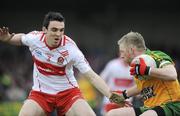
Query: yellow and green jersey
(155, 91)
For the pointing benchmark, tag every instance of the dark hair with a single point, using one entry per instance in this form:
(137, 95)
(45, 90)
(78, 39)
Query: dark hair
(52, 16)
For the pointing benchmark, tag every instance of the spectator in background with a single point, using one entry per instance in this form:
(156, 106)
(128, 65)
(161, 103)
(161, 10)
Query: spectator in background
(177, 65)
(116, 74)
(5, 84)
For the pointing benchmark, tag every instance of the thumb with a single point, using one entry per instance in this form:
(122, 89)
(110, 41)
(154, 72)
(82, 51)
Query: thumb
(132, 64)
(142, 61)
(12, 34)
(9, 37)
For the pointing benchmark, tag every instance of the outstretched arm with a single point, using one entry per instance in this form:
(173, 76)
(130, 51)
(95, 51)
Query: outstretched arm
(167, 72)
(132, 91)
(14, 39)
(98, 82)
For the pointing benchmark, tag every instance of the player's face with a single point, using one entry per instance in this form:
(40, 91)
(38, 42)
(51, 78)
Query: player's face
(125, 53)
(54, 32)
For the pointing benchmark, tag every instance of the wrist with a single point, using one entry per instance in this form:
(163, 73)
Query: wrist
(125, 94)
(9, 38)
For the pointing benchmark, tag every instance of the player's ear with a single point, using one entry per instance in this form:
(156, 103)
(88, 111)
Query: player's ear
(44, 29)
(132, 50)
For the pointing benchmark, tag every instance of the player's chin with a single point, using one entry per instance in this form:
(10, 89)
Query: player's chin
(56, 42)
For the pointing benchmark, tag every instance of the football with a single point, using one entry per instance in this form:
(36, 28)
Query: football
(148, 60)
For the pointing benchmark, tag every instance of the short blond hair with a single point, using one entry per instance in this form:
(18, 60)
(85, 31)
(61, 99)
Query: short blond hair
(133, 39)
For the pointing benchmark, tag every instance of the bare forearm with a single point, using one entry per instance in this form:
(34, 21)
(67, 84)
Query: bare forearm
(133, 91)
(98, 82)
(166, 73)
(11, 38)
(16, 39)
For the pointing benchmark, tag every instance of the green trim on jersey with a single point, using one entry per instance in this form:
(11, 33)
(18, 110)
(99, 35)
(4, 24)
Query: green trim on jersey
(159, 57)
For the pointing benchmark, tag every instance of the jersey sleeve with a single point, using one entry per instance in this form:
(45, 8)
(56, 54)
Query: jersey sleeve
(163, 58)
(164, 63)
(80, 61)
(27, 39)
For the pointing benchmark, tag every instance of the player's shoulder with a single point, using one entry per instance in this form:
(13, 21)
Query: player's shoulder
(69, 43)
(114, 61)
(35, 34)
(161, 58)
(160, 55)
(158, 52)
(68, 40)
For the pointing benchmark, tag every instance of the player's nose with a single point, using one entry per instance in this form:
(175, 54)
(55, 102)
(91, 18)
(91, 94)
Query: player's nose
(58, 33)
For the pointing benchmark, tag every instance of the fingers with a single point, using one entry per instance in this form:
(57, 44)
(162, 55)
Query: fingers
(116, 98)
(5, 36)
(142, 61)
(132, 64)
(12, 34)
(132, 70)
(135, 67)
(4, 30)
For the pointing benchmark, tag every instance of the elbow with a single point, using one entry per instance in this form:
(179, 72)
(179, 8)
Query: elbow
(174, 77)
(171, 73)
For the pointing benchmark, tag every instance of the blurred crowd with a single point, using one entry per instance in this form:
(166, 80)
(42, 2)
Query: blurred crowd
(96, 35)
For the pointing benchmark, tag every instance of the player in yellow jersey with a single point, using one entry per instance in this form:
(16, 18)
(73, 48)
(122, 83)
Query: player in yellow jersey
(159, 86)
